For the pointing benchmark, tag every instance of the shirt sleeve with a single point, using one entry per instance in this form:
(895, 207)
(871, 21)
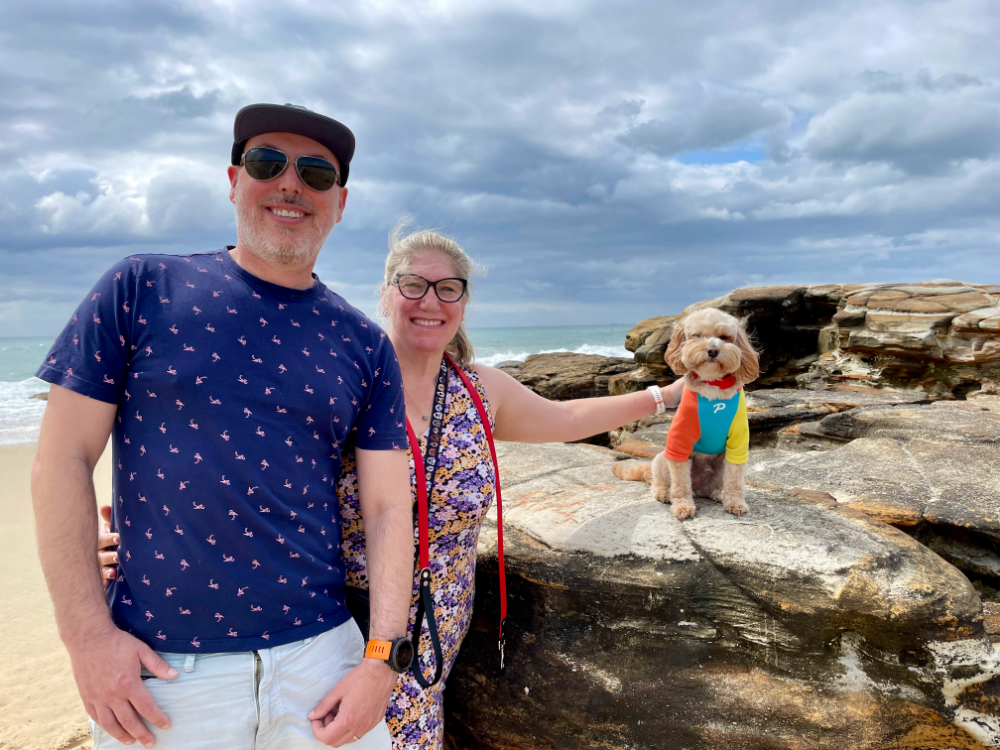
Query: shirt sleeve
(685, 429)
(91, 355)
(382, 420)
(738, 442)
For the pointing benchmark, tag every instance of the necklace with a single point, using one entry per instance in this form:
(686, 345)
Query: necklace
(425, 417)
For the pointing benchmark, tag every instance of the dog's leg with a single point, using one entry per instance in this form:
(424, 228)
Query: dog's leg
(706, 476)
(660, 478)
(680, 489)
(732, 489)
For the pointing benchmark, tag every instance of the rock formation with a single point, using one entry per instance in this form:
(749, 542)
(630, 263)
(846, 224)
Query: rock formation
(942, 337)
(565, 375)
(804, 624)
(855, 607)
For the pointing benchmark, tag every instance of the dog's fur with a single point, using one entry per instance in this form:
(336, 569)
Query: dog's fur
(677, 482)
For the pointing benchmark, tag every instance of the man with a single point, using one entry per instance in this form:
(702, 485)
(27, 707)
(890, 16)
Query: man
(230, 382)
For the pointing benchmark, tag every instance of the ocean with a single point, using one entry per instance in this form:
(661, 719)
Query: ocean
(21, 416)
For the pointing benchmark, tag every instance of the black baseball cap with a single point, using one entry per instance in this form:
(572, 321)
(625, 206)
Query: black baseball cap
(257, 119)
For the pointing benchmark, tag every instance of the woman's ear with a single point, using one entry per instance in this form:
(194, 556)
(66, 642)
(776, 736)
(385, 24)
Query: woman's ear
(749, 368)
(673, 354)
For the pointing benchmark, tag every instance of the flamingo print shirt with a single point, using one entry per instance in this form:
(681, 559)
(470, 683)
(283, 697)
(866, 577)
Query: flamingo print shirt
(236, 399)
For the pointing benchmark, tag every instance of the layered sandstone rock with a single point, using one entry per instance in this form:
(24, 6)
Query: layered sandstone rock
(942, 337)
(564, 375)
(804, 624)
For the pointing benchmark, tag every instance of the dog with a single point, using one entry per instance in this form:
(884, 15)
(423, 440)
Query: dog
(709, 439)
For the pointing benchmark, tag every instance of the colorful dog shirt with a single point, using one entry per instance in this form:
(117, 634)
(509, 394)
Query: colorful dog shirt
(709, 427)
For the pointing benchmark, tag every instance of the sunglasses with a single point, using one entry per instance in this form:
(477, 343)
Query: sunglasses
(268, 163)
(412, 286)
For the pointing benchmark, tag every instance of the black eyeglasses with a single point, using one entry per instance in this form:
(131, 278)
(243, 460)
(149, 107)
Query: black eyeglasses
(412, 286)
(267, 163)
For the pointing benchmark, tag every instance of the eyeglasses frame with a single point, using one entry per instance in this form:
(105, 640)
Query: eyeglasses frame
(465, 287)
(285, 168)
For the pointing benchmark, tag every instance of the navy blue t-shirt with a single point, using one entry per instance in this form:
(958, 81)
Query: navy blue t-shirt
(235, 399)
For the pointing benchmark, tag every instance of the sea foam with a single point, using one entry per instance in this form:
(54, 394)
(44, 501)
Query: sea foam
(21, 415)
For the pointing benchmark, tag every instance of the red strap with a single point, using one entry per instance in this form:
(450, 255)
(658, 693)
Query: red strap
(484, 417)
(418, 469)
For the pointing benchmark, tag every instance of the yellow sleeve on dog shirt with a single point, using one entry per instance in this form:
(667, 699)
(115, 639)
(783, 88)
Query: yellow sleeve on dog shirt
(738, 442)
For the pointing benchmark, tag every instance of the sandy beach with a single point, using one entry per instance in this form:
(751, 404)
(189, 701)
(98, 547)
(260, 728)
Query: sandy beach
(39, 706)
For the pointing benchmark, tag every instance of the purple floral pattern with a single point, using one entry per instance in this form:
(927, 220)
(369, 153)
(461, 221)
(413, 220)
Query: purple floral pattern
(463, 492)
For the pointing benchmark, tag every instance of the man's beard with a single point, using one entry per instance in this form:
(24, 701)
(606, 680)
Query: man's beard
(292, 248)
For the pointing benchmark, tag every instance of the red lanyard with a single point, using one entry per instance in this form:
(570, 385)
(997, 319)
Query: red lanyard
(422, 524)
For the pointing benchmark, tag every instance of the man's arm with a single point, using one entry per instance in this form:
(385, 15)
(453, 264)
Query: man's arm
(106, 661)
(358, 702)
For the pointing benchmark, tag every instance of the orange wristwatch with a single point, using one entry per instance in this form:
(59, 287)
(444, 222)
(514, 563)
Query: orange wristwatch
(398, 654)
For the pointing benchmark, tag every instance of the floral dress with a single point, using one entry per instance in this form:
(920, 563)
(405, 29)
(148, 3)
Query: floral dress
(463, 492)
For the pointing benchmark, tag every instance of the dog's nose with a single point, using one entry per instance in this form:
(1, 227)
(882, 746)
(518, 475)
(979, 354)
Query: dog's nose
(712, 352)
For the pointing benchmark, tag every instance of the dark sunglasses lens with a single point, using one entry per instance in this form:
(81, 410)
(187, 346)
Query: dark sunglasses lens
(264, 163)
(412, 287)
(318, 174)
(450, 290)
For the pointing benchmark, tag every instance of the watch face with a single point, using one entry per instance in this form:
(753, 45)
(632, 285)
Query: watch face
(402, 654)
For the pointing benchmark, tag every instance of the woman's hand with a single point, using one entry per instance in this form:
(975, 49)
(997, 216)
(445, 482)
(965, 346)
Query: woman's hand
(107, 544)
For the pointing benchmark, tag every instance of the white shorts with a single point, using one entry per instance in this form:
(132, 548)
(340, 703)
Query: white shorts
(255, 700)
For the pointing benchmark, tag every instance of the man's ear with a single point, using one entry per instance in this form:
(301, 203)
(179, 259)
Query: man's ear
(673, 354)
(342, 201)
(234, 175)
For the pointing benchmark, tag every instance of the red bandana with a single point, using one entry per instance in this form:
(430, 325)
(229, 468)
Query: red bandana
(727, 382)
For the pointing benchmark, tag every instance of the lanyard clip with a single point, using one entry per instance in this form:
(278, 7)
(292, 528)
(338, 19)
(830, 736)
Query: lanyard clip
(501, 642)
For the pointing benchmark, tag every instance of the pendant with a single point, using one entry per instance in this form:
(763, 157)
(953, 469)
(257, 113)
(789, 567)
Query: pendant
(426, 416)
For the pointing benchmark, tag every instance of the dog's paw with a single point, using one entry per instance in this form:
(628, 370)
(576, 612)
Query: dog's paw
(683, 509)
(737, 507)
(661, 492)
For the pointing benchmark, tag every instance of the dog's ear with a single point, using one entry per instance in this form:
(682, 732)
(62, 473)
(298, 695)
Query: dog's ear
(673, 354)
(749, 368)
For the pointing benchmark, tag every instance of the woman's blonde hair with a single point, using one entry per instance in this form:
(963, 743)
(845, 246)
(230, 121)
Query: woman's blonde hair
(404, 246)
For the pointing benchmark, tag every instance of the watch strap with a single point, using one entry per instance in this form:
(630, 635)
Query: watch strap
(380, 650)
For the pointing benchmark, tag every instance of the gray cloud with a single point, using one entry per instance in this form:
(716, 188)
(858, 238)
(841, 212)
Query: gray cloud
(605, 161)
(710, 123)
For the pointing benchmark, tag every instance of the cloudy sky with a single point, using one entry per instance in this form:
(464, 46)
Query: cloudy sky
(605, 161)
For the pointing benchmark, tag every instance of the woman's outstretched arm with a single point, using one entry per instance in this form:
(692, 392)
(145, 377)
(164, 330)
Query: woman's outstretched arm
(524, 416)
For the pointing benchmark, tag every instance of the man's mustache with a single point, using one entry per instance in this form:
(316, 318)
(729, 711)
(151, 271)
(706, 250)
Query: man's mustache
(291, 200)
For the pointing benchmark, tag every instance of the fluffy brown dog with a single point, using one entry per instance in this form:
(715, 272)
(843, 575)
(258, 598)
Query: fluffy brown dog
(708, 440)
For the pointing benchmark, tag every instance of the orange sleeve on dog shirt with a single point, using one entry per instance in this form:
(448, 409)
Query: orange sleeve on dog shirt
(685, 429)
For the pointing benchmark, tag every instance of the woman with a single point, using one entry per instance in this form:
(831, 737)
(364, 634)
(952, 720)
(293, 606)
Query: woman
(423, 297)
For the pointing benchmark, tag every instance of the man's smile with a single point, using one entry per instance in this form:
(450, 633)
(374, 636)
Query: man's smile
(286, 214)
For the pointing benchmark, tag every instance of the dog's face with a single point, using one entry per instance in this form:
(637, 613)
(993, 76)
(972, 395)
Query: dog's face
(713, 344)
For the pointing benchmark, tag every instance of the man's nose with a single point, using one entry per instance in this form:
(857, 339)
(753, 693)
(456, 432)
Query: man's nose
(289, 180)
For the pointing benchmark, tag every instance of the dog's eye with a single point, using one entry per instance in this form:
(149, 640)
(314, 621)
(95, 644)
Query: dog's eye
(726, 338)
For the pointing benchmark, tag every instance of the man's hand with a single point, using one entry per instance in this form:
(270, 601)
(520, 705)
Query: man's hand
(355, 705)
(106, 667)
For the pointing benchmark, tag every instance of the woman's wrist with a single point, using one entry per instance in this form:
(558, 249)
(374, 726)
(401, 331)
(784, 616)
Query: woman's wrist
(658, 400)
